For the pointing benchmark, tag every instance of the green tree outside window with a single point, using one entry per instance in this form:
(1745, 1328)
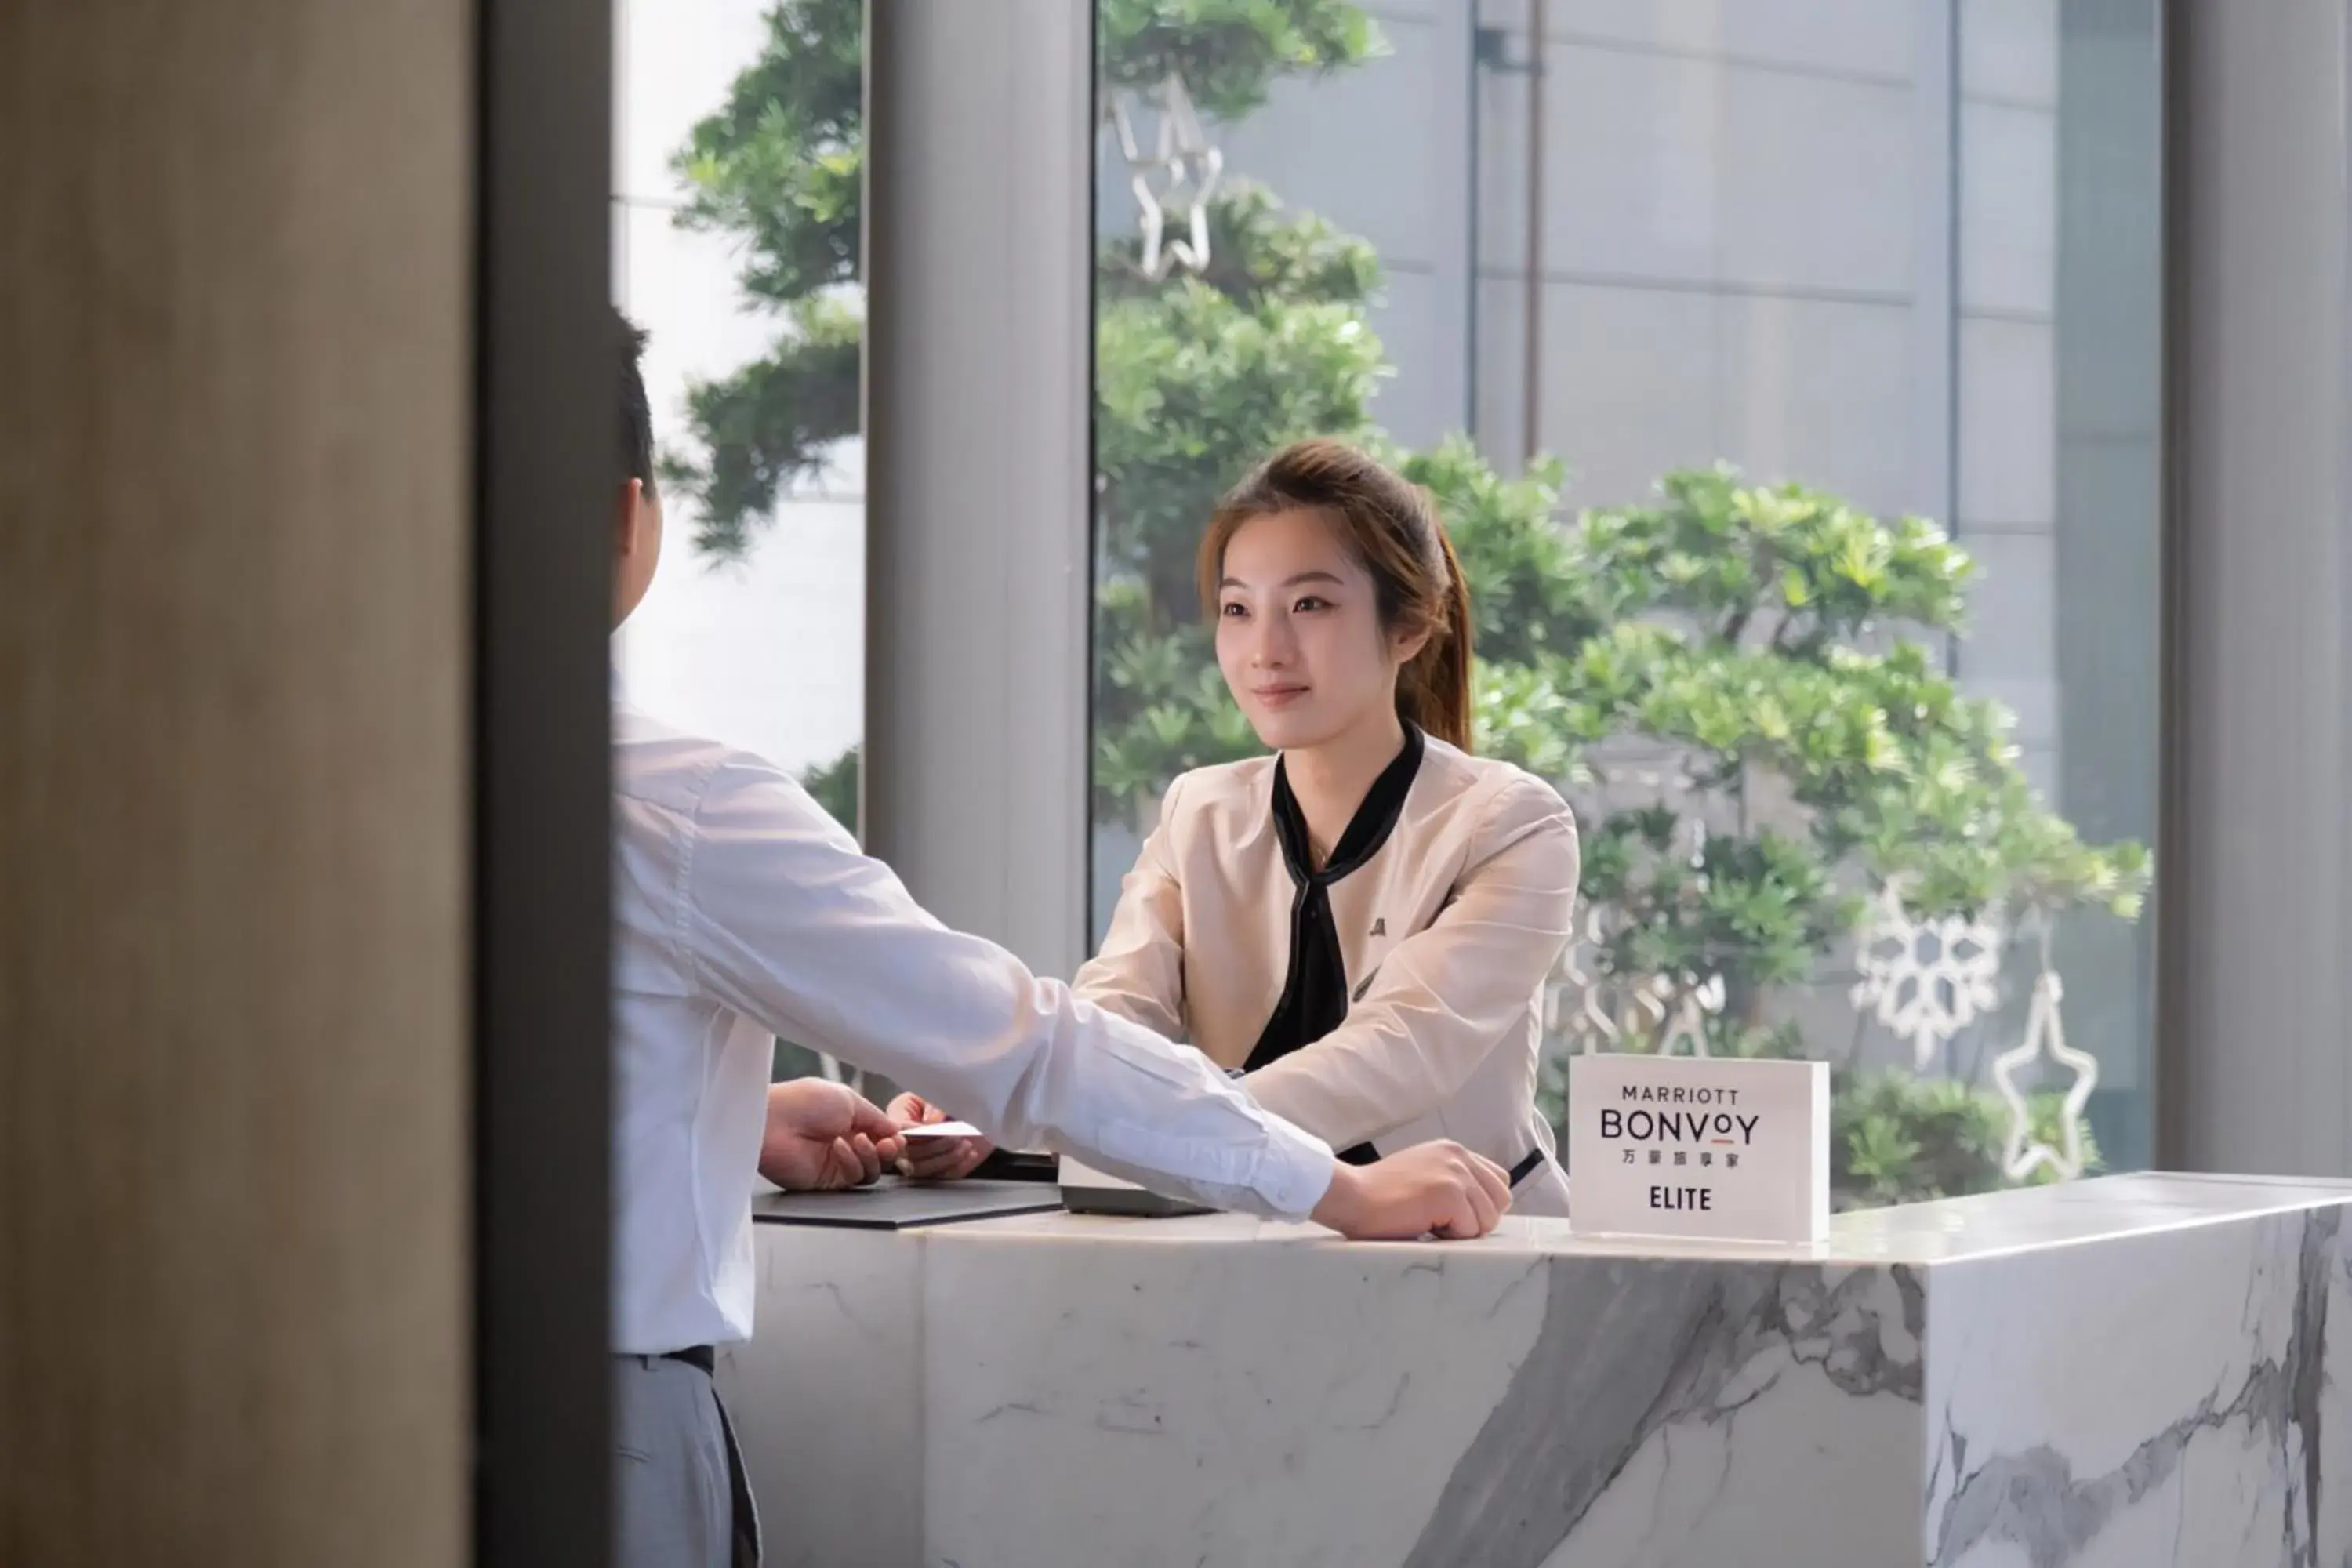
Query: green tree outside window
(1769, 643)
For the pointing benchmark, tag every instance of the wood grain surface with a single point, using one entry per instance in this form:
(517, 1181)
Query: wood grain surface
(234, 804)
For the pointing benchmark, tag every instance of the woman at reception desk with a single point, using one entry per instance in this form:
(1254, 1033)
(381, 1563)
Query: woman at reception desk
(1360, 923)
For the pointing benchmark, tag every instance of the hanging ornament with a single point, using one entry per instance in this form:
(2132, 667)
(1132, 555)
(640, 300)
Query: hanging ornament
(1925, 980)
(1579, 1005)
(1587, 1023)
(1173, 182)
(1692, 1006)
(2045, 1034)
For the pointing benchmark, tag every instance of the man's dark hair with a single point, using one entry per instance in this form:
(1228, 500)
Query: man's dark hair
(636, 415)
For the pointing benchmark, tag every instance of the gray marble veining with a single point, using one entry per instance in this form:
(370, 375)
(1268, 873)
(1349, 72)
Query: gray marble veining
(2199, 1424)
(1640, 1352)
(2134, 1371)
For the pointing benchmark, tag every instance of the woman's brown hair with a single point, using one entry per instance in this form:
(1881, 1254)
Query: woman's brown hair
(1391, 527)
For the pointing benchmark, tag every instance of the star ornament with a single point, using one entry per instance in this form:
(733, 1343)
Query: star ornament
(2045, 1031)
(1176, 178)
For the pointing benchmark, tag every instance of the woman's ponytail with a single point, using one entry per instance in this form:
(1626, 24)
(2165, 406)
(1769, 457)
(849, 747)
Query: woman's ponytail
(1433, 691)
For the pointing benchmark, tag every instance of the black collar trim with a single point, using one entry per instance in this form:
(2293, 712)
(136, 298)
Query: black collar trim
(1368, 829)
(1314, 998)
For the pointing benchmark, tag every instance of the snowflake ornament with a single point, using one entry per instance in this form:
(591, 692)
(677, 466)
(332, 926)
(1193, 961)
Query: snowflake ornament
(1925, 980)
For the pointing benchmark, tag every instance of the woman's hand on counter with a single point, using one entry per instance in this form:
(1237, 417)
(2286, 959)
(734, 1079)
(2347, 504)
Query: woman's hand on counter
(934, 1159)
(822, 1136)
(1432, 1189)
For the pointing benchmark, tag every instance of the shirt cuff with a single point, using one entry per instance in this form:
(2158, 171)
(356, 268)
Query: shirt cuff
(1294, 1171)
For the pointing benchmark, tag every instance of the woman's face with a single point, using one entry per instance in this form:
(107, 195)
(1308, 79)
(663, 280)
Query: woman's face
(1299, 633)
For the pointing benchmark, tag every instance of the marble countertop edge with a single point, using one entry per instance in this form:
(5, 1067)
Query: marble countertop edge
(1943, 1233)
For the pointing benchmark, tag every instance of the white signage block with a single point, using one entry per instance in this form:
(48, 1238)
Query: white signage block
(1698, 1146)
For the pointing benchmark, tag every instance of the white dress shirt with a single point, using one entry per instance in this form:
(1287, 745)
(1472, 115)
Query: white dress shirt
(742, 911)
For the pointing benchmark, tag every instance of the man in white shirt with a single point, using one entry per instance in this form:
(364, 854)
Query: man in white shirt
(741, 912)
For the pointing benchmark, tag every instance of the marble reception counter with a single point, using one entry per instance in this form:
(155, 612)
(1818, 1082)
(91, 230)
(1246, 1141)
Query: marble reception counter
(2129, 1371)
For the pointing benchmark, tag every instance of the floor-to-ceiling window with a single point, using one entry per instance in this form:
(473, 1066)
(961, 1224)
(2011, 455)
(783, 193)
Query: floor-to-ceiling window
(1824, 335)
(737, 248)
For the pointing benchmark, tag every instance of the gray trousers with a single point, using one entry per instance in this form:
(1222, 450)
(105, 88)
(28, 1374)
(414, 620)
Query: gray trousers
(679, 1497)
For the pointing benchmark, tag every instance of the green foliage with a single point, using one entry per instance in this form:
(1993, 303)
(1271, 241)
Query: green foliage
(833, 785)
(770, 422)
(781, 166)
(1228, 51)
(1532, 590)
(1897, 1138)
(1191, 385)
(1259, 255)
(780, 170)
(1757, 910)
(1763, 639)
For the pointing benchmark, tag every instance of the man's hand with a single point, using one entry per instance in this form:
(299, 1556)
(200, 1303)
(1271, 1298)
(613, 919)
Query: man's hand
(1431, 1189)
(822, 1136)
(934, 1159)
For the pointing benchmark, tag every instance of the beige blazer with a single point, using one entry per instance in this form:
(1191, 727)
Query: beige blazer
(1447, 933)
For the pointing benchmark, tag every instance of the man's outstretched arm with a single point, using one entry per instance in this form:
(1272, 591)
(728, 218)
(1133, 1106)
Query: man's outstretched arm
(781, 918)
